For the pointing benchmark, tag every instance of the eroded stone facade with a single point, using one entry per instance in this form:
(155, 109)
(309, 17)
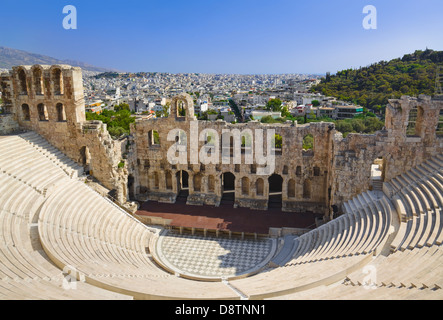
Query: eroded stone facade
(50, 101)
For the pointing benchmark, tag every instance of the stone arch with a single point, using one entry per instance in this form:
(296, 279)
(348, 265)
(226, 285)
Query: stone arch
(37, 77)
(182, 104)
(278, 144)
(245, 186)
(153, 138)
(308, 143)
(285, 169)
(275, 183)
(415, 117)
(228, 187)
(22, 80)
(228, 181)
(298, 171)
(61, 112)
(182, 180)
(260, 187)
(156, 180)
(307, 189)
(197, 180)
(26, 113)
(42, 112)
(168, 178)
(275, 196)
(57, 80)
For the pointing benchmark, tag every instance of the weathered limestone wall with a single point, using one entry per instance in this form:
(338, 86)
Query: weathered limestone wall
(8, 125)
(50, 101)
(398, 150)
(156, 178)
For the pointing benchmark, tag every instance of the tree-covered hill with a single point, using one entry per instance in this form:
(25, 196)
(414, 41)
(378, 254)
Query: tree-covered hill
(372, 86)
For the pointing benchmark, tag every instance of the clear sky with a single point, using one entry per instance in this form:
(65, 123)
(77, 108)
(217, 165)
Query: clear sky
(223, 36)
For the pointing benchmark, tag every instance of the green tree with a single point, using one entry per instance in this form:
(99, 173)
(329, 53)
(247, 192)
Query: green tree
(274, 105)
(308, 142)
(285, 112)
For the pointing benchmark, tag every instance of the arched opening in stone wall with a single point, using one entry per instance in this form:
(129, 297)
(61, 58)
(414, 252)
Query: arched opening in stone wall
(275, 191)
(197, 182)
(275, 183)
(291, 188)
(307, 189)
(38, 81)
(153, 138)
(85, 159)
(308, 144)
(181, 108)
(245, 186)
(22, 82)
(42, 112)
(58, 81)
(285, 170)
(168, 180)
(26, 112)
(278, 144)
(298, 171)
(61, 114)
(260, 187)
(414, 122)
(182, 178)
(228, 182)
(131, 187)
(156, 181)
(228, 187)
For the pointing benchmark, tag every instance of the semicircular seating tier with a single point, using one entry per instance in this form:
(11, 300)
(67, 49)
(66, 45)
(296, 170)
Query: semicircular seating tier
(54, 225)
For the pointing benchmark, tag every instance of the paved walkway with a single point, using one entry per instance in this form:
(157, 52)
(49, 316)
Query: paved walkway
(226, 217)
(209, 257)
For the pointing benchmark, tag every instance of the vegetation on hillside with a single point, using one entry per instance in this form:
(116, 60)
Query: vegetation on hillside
(372, 86)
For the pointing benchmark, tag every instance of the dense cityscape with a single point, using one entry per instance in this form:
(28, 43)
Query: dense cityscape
(150, 94)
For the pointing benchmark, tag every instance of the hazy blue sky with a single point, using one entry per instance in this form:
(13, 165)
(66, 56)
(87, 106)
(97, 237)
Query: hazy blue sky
(214, 36)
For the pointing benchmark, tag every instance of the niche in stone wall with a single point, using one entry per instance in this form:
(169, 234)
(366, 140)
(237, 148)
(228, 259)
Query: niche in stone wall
(38, 81)
(260, 186)
(22, 82)
(26, 112)
(57, 80)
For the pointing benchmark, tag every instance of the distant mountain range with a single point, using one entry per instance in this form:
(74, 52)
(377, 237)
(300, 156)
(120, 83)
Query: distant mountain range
(13, 57)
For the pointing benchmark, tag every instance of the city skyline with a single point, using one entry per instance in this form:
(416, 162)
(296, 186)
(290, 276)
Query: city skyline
(247, 37)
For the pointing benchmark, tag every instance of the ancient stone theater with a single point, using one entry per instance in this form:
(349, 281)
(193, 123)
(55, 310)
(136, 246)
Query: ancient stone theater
(64, 237)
